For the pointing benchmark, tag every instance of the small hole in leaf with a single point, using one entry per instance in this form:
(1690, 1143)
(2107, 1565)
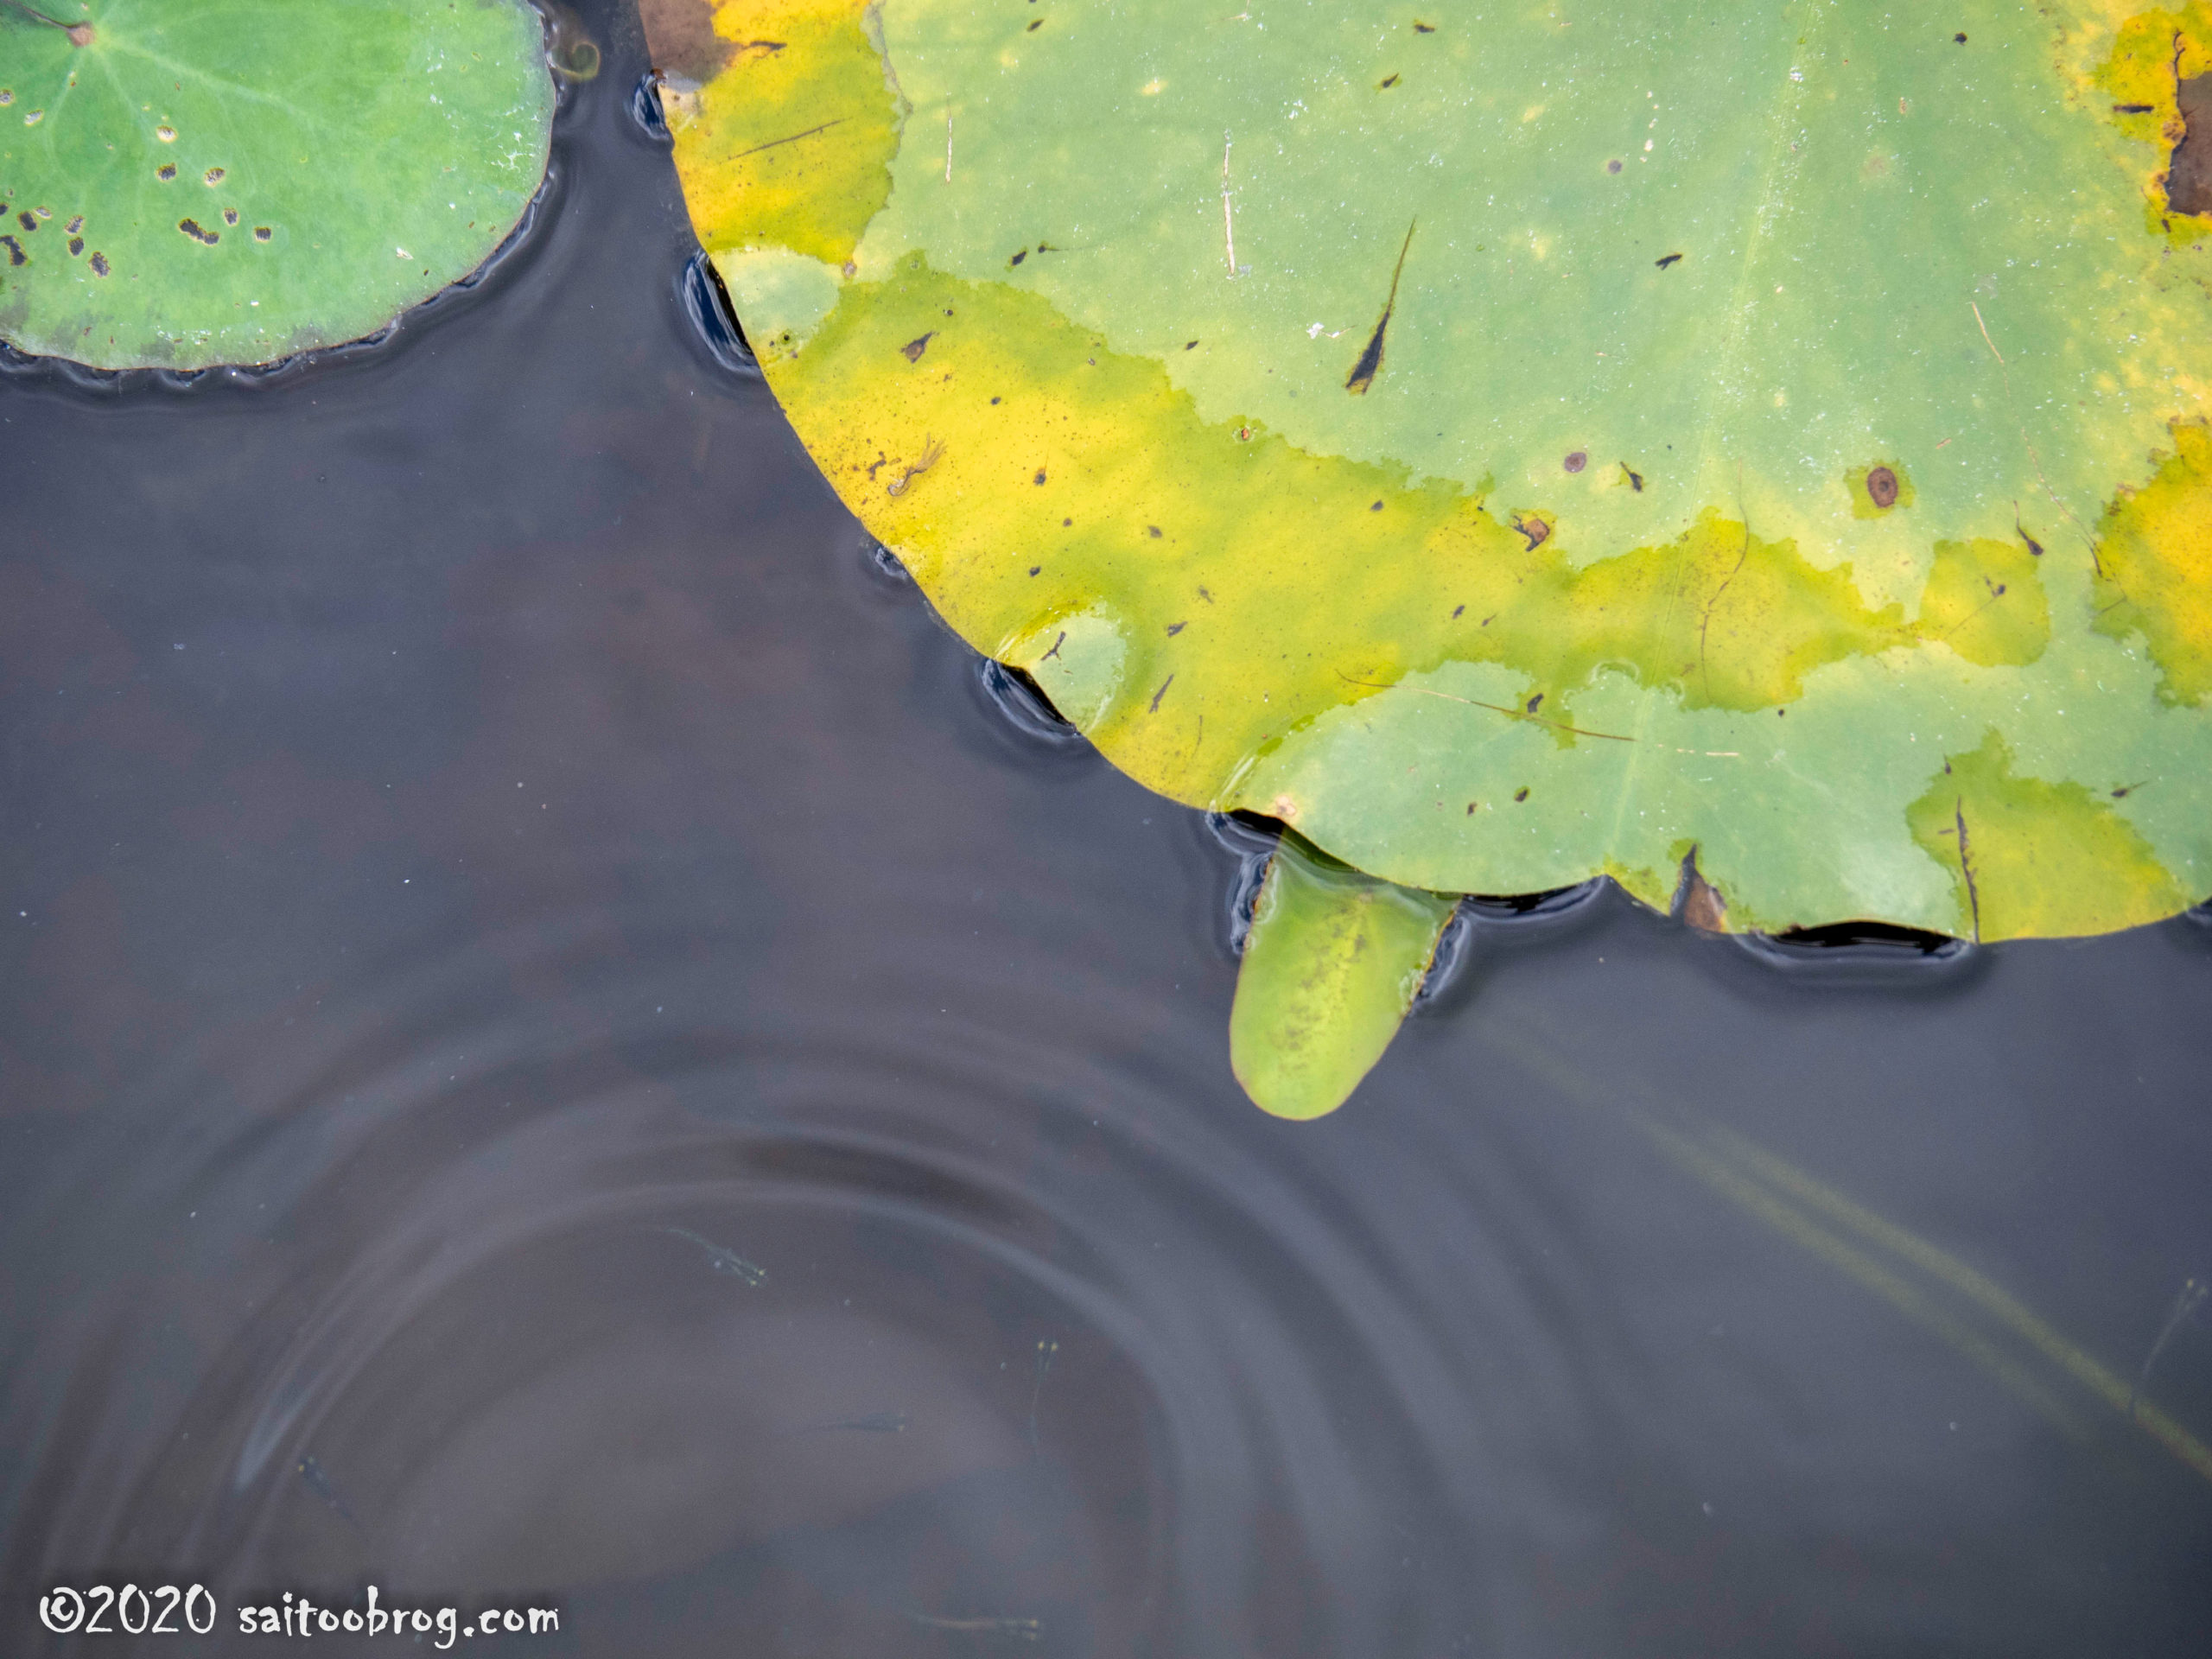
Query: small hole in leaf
(76, 246)
(262, 232)
(230, 215)
(167, 134)
(165, 172)
(99, 265)
(212, 175)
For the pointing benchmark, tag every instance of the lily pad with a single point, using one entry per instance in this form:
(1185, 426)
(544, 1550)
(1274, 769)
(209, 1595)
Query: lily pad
(1519, 448)
(186, 184)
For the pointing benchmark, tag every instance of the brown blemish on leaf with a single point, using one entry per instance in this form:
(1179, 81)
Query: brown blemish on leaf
(1878, 488)
(914, 348)
(1666, 259)
(680, 38)
(1698, 903)
(1576, 461)
(2188, 173)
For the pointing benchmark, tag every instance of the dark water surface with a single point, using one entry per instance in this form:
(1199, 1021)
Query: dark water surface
(492, 866)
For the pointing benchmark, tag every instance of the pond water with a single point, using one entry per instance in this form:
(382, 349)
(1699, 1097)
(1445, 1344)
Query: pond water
(564, 1047)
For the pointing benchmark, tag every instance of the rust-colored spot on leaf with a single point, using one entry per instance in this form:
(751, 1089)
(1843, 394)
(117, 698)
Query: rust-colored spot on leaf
(1576, 461)
(1697, 901)
(680, 37)
(1882, 486)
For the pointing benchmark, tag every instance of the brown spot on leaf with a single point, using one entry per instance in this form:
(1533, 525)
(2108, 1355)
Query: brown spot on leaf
(1881, 486)
(165, 172)
(1535, 529)
(26, 221)
(1697, 901)
(15, 254)
(681, 40)
(1387, 84)
(262, 232)
(1576, 461)
(914, 348)
(99, 265)
(1666, 259)
(76, 246)
(1613, 166)
(2189, 175)
(191, 227)
(1521, 794)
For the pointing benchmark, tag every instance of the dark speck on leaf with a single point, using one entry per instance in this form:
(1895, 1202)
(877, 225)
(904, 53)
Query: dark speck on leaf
(76, 246)
(1040, 479)
(1576, 461)
(914, 348)
(262, 232)
(1152, 530)
(1535, 702)
(1456, 609)
(1666, 259)
(1521, 794)
(1034, 568)
(1019, 257)
(1613, 166)
(1377, 507)
(1036, 23)
(99, 265)
(1960, 39)
(191, 228)
(1064, 523)
(1535, 529)
(26, 221)
(1174, 628)
(1424, 29)
(230, 215)
(2132, 109)
(15, 254)
(1190, 345)
(1882, 486)
(995, 402)
(1388, 83)
(165, 173)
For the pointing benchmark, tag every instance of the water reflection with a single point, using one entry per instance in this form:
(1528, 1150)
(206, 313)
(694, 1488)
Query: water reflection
(485, 832)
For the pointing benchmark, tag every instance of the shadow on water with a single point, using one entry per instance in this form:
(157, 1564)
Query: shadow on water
(491, 847)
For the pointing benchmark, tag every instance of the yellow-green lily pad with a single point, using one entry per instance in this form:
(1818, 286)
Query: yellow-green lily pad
(185, 184)
(1519, 449)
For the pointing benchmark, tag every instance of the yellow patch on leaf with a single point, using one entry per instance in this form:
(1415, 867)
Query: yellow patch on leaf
(1039, 484)
(2154, 566)
(2037, 860)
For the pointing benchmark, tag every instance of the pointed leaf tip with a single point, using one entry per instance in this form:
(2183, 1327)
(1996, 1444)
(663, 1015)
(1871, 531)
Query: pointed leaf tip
(1333, 962)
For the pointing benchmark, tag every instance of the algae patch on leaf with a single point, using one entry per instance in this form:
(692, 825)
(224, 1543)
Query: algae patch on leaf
(189, 185)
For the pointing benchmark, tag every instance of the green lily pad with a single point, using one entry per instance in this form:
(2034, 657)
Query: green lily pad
(1519, 449)
(186, 184)
(1333, 960)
